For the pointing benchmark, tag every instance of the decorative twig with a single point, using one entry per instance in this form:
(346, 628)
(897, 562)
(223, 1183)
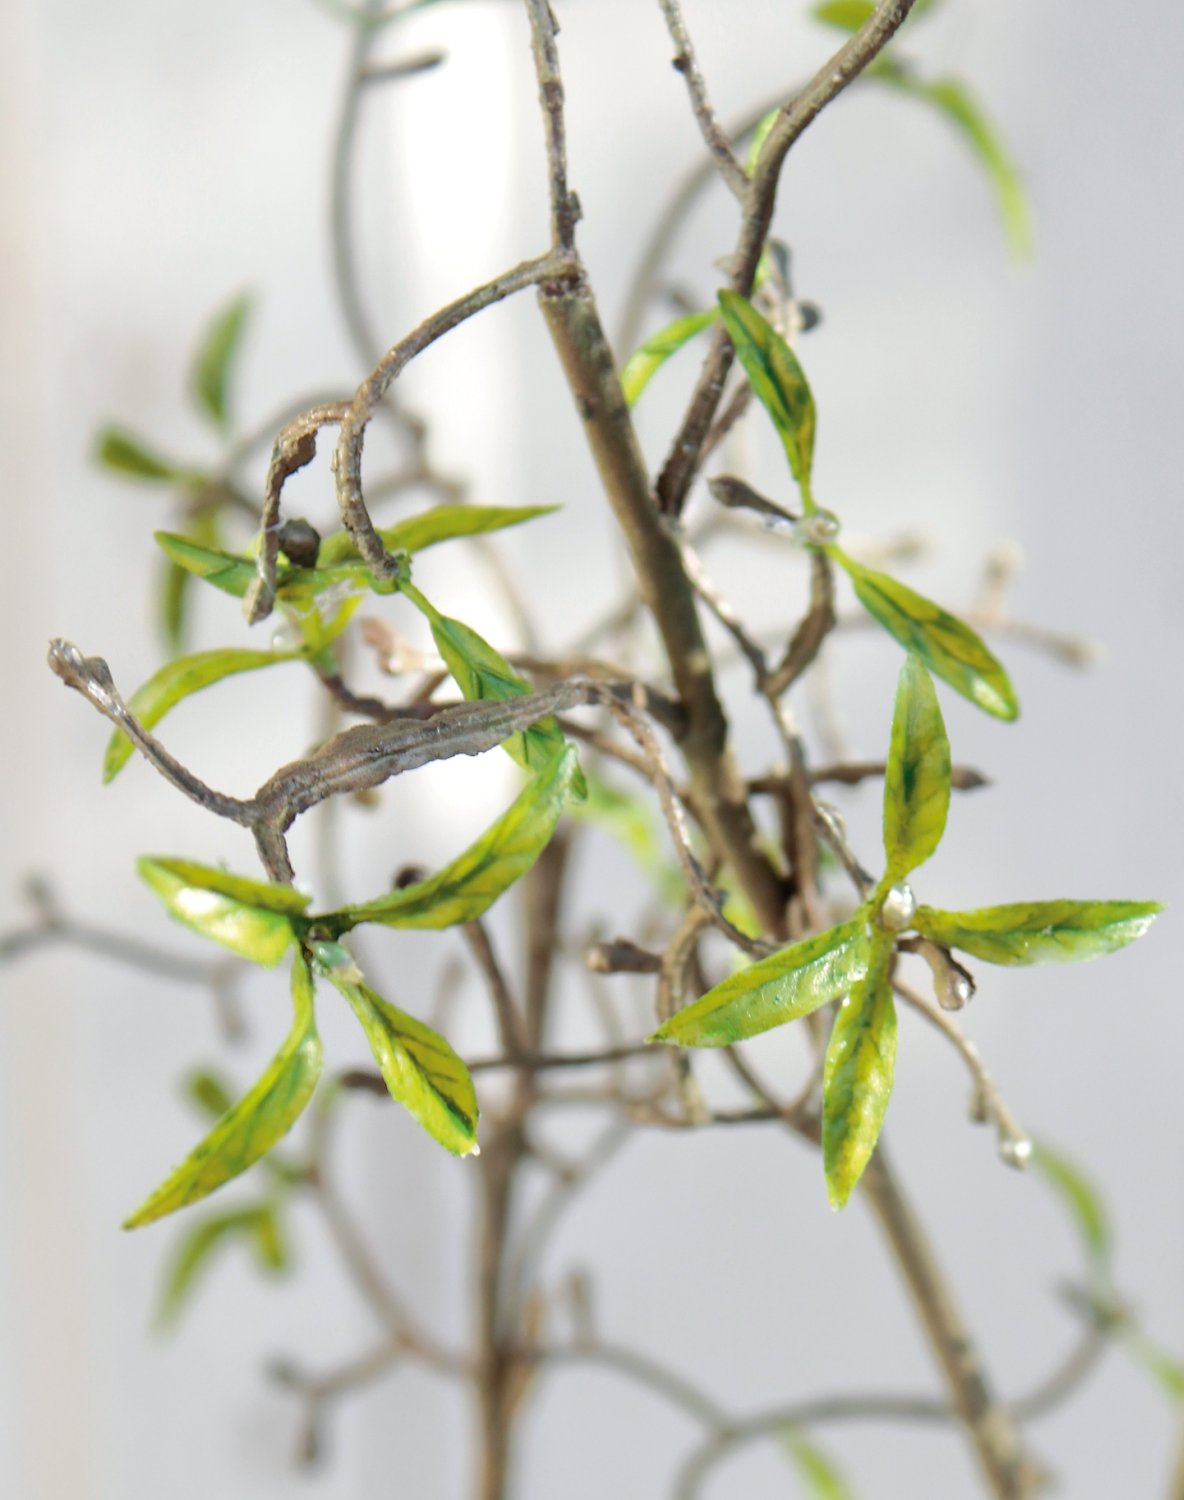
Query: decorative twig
(722, 153)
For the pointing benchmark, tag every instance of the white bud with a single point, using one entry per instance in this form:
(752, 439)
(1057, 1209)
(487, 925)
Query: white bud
(953, 988)
(898, 908)
(817, 529)
(1015, 1149)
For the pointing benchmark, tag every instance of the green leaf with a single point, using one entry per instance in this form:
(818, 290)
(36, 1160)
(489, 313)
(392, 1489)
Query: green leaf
(441, 524)
(471, 883)
(917, 777)
(260, 1118)
(1081, 1199)
(202, 1240)
(1039, 932)
(780, 988)
(759, 136)
(251, 918)
(777, 381)
(1163, 1367)
(177, 680)
(234, 575)
(484, 674)
(949, 648)
(646, 360)
(125, 454)
(208, 1091)
(857, 1078)
(421, 1070)
(953, 101)
(215, 358)
(850, 15)
(633, 824)
(822, 1479)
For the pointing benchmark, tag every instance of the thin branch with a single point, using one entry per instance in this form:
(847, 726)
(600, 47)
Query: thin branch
(722, 152)
(565, 208)
(851, 773)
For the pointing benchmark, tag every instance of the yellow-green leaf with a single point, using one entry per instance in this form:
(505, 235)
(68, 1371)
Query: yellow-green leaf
(441, 524)
(234, 575)
(850, 15)
(786, 985)
(634, 824)
(1039, 932)
(214, 360)
(250, 917)
(421, 1070)
(260, 1118)
(917, 776)
(857, 1078)
(471, 883)
(177, 680)
(777, 381)
(253, 1226)
(958, 106)
(125, 454)
(818, 1472)
(1081, 1199)
(483, 674)
(646, 360)
(947, 646)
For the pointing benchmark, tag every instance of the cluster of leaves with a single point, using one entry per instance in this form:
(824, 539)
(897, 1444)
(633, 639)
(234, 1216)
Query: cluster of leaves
(853, 961)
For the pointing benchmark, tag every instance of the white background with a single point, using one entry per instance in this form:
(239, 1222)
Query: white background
(158, 158)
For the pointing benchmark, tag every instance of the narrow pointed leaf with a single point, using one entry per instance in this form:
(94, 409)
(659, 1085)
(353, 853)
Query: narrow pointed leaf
(250, 917)
(269, 1242)
(440, 524)
(760, 135)
(821, 1477)
(176, 681)
(1082, 1201)
(467, 887)
(260, 1118)
(777, 381)
(947, 646)
(857, 1078)
(213, 364)
(1164, 1368)
(1039, 932)
(917, 776)
(421, 1070)
(635, 825)
(125, 454)
(850, 15)
(780, 988)
(296, 586)
(197, 1248)
(952, 100)
(208, 1092)
(649, 358)
(483, 674)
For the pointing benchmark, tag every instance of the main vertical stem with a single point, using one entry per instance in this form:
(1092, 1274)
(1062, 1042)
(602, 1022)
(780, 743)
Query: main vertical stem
(989, 1426)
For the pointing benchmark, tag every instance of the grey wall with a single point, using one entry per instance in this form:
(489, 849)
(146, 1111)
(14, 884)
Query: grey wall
(157, 158)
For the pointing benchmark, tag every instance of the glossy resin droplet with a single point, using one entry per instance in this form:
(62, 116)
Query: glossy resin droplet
(818, 529)
(899, 907)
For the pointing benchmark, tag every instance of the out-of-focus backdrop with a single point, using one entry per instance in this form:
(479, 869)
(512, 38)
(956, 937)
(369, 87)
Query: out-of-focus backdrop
(155, 160)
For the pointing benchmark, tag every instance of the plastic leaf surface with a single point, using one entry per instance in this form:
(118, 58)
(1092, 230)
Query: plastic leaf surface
(821, 1478)
(468, 886)
(1039, 932)
(777, 381)
(917, 777)
(421, 1070)
(215, 359)
(1081, 1200)
(483, 674)
(177, 680)
(947, 646)
(250, 917)
(641, 366)
(296, 586)
(780, 988)
(440, 524)
(857, 1078)
(952, 100)
(260, 1118)
(254, 1227)
(124, 454)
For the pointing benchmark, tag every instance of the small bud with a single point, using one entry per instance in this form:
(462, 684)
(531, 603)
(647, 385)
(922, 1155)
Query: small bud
(300, 543)
(818, 529)
(1015, 1149)
(954, 988)
(898, 908)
